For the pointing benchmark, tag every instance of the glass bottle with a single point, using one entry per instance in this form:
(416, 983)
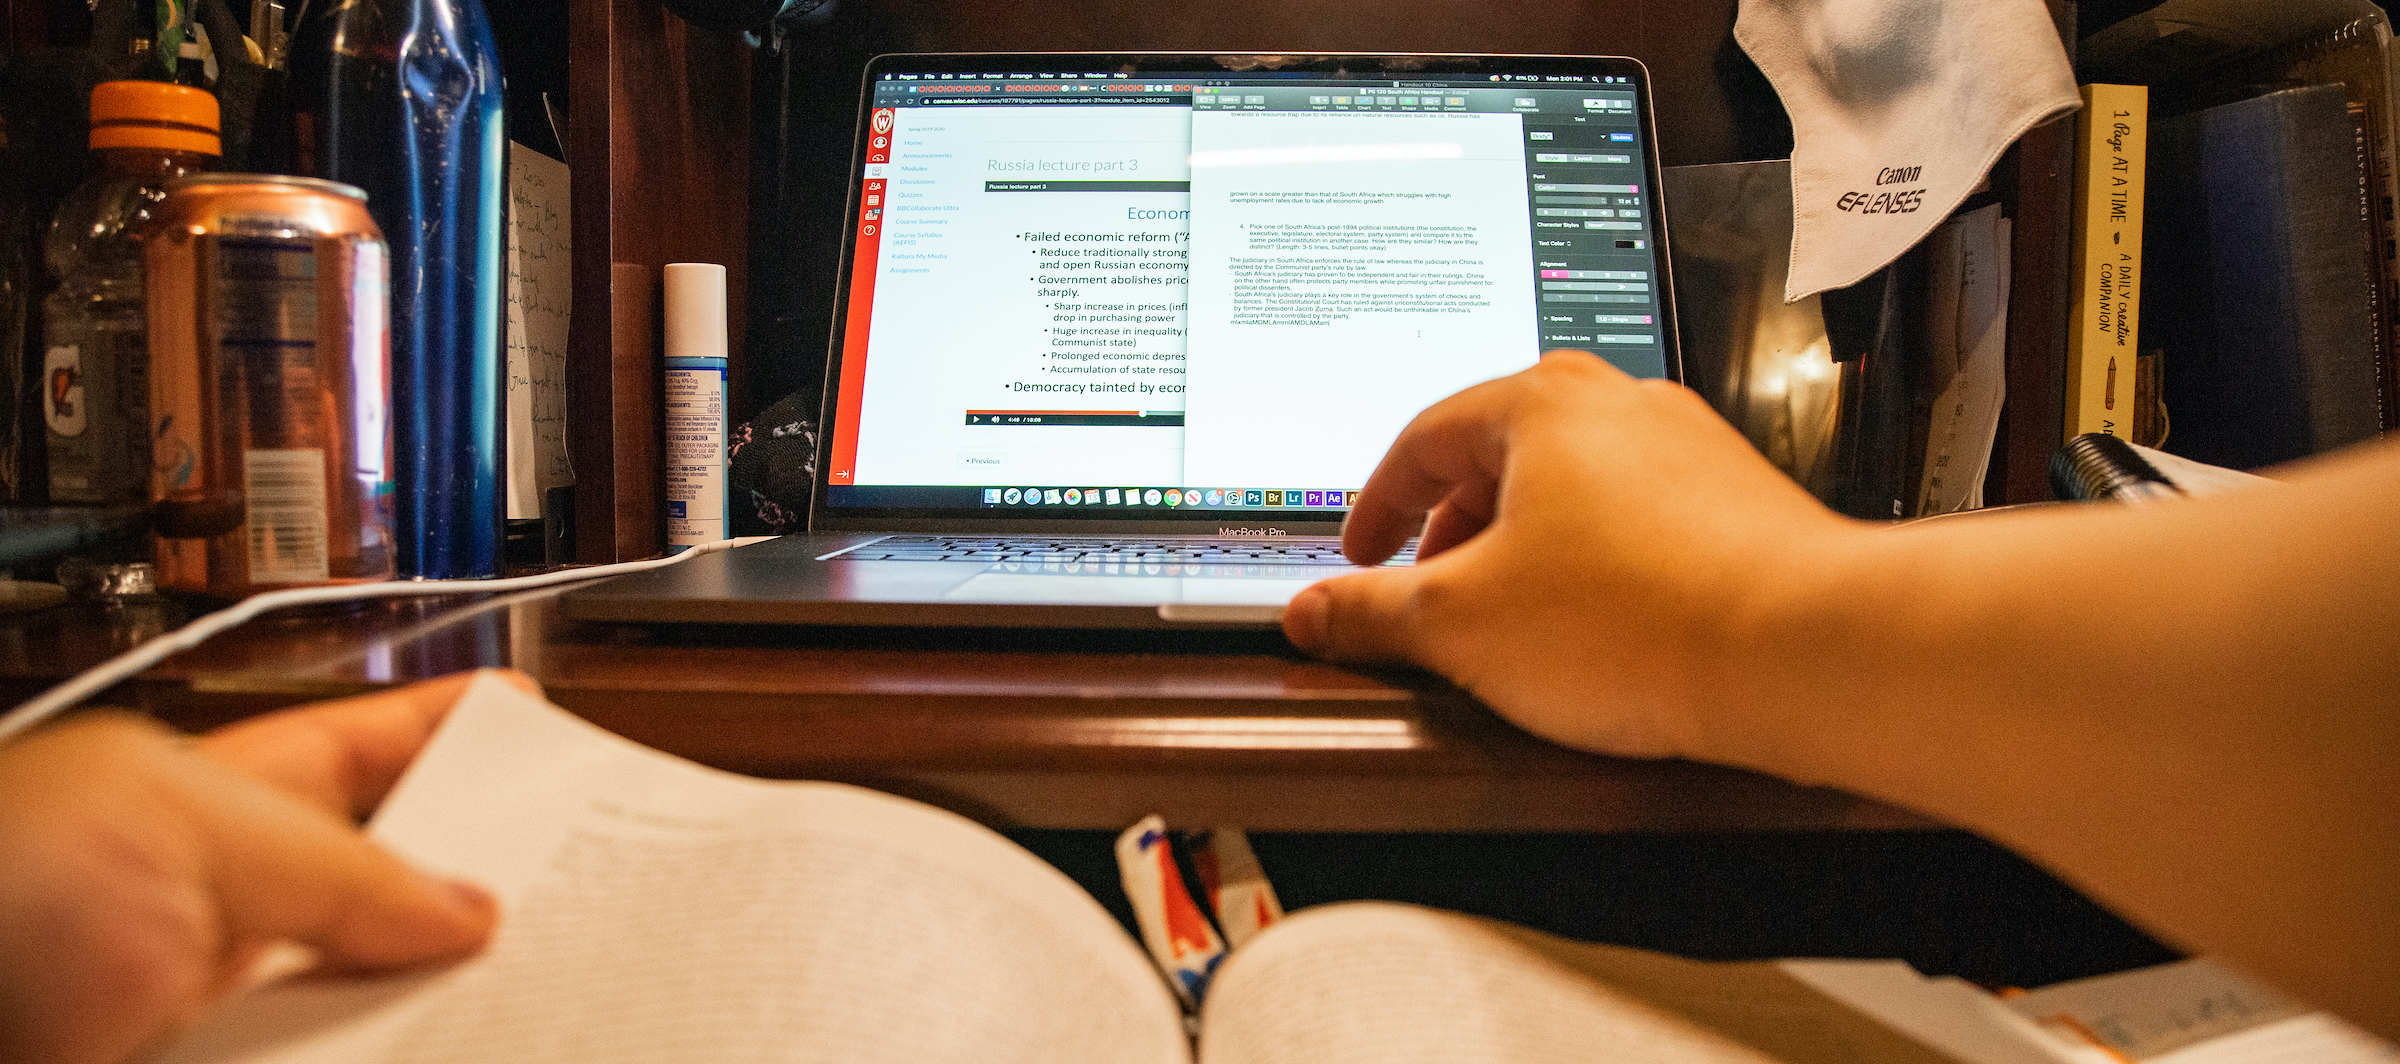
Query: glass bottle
(95, 363)
(20, 266)
(403, 99)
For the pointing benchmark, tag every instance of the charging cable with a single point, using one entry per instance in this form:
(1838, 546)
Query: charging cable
(117, 669)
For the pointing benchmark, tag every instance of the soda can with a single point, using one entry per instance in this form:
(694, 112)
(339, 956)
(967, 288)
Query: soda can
(269, 385)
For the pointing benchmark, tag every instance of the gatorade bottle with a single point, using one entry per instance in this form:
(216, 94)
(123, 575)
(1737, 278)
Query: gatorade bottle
(95, 363)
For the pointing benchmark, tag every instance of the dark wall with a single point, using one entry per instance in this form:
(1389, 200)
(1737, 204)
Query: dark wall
(532, 35)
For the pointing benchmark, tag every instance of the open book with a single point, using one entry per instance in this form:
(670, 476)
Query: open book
(659, 912)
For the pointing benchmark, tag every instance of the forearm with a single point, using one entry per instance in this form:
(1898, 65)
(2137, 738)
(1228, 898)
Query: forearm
(2191, 711)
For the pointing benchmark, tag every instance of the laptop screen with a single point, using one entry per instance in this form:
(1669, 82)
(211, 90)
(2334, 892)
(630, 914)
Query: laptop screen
(1128, 288)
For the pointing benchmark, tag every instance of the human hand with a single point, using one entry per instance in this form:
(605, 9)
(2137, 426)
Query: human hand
(1590, 542)
(2179, 709)
(147, 873)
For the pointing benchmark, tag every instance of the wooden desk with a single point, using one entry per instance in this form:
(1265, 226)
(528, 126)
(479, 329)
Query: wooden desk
(1021, 730)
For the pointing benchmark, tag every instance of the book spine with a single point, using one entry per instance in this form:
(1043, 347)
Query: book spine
(2260, 293)
(2104, 330)
(2372, 230)
(2355, 57)
(2334, 310)
(2387, 219)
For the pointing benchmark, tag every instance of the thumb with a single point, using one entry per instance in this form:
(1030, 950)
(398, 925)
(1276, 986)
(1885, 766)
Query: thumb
(1369, 616)
(286, 870)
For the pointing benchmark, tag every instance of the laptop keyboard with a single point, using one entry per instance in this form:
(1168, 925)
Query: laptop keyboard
(1232, 550)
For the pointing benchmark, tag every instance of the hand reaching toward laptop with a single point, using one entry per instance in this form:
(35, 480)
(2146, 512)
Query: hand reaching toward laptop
(2190, 710)
(147, 871)
(1561, 508)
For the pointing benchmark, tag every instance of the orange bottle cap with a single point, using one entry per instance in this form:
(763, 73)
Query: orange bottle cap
(154, 114)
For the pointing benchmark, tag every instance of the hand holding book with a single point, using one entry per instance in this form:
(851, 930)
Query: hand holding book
(147, 873)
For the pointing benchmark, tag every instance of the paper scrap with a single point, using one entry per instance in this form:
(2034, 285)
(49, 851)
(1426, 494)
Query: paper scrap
(540, 296)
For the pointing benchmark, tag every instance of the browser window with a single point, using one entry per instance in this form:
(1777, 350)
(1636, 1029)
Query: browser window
(1150, 292)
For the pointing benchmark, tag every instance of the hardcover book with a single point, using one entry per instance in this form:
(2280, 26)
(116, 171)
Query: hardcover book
(2258, 293)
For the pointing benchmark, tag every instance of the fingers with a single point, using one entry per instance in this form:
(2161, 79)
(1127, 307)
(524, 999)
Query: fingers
(283, 870)
(343, 756)
(145, 877)
(1467, 510)
(1450, 443)
(1449, 460)
(1362, 617)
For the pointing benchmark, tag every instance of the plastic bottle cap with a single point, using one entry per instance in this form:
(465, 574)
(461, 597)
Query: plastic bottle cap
(154, 114)
(695, 318)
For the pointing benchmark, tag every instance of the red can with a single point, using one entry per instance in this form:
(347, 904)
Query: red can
(269, 385)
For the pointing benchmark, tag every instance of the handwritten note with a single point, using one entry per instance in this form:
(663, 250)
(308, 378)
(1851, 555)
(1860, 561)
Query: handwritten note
(540, 295)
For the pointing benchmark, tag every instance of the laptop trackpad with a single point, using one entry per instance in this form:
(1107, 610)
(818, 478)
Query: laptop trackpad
(1088, 590)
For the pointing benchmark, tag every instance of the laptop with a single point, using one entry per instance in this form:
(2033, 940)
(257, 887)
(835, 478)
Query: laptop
(1122, 335)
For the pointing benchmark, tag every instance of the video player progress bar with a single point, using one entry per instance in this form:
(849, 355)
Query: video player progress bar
(1150, 418)
(1604, 297)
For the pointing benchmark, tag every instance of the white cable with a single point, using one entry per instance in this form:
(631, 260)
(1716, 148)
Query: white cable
(117, 669)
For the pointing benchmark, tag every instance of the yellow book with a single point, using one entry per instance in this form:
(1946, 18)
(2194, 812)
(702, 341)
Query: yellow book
(2111, 142)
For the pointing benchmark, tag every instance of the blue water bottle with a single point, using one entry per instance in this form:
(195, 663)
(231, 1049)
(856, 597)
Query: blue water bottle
(402, 98)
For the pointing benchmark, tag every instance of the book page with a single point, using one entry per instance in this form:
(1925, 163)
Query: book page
(2195, 1011)
(1349, 269)
(2310, 1038)
(1945, 1012)
(655, 911)
(1381, 982)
